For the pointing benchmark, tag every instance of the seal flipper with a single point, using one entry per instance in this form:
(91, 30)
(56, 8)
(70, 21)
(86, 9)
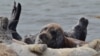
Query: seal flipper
(80, 30)
(15, 16)
(14, 21)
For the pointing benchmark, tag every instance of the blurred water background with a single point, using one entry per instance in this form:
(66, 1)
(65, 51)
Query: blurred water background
(37, 13)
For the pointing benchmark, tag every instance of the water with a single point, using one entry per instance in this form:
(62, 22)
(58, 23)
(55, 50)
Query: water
(37, 13)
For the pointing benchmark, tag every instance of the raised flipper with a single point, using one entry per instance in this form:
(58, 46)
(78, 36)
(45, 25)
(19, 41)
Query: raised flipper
(14, 21)
(79, 31)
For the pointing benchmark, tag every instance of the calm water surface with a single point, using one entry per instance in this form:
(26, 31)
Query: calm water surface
(37, 13)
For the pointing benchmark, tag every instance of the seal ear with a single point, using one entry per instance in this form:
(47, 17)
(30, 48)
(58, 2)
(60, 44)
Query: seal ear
(14, 21)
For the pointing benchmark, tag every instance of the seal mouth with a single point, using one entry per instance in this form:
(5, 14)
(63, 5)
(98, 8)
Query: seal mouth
(48, 38)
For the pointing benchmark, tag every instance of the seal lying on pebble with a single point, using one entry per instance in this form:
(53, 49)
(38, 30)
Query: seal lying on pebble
(79, 31)
(14, 21)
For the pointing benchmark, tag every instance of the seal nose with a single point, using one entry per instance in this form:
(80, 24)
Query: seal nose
(44, 37)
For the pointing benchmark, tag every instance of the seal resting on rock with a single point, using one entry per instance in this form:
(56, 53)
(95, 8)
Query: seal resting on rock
(53, 35)
(79, 31)
(58, 37)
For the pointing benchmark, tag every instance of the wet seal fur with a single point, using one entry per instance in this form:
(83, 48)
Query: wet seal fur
(79, 31)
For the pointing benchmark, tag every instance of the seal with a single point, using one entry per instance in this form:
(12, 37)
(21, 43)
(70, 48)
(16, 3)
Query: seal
(53, 35)
(79, 31)
(14, 21)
